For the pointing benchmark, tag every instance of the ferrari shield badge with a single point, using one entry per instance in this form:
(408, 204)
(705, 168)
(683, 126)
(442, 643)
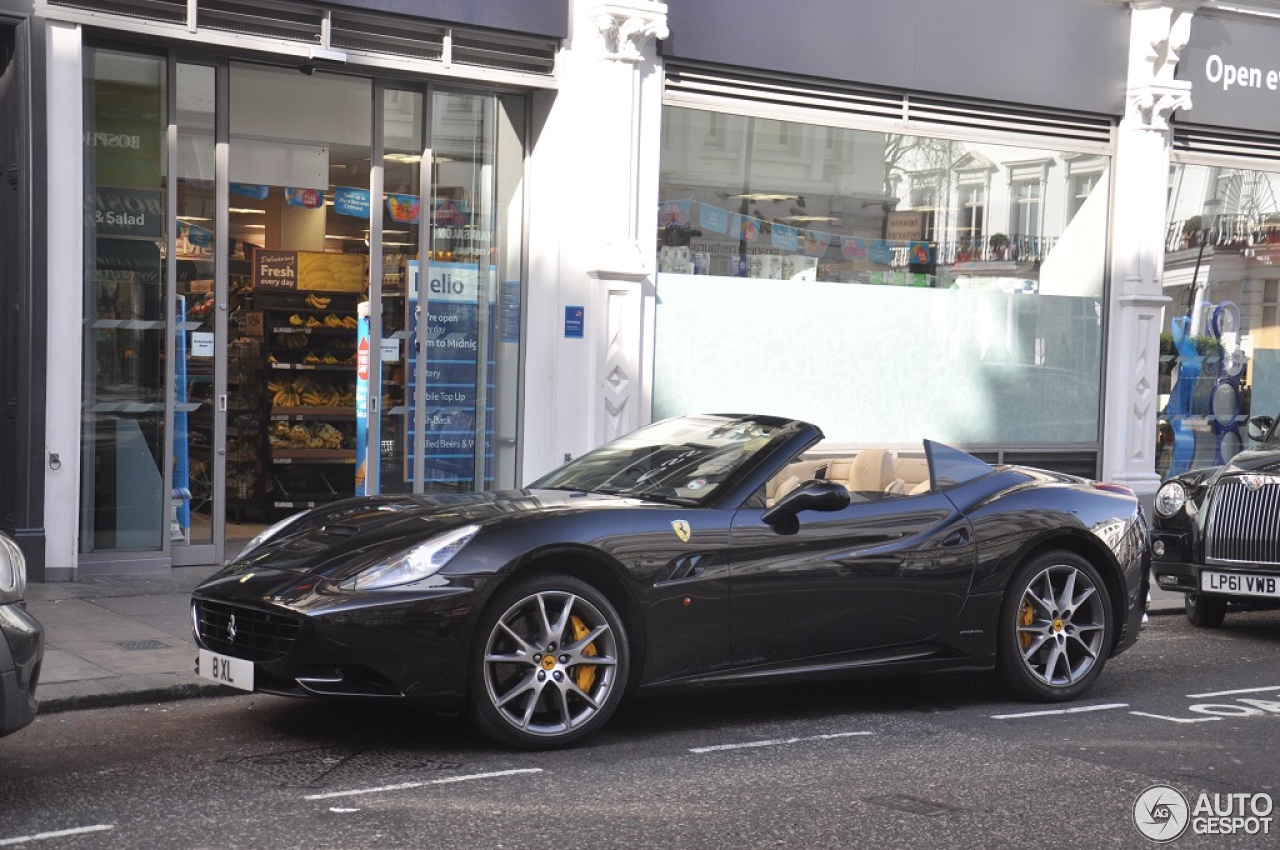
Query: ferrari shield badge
(682, 530)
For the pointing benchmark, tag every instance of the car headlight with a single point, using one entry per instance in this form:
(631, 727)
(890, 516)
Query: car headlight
(1170, 498)
(13, 571)
(424, 560)
(267, 535)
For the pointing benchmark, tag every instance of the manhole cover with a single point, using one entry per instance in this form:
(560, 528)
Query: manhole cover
(142, 644)
(318, 766)
(914, 805)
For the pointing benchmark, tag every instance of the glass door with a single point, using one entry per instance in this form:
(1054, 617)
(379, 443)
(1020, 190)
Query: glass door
(198, 271)
(451, 289)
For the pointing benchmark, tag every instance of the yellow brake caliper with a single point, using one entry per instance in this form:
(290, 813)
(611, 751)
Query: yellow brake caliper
(1026, 617)
(584, 675)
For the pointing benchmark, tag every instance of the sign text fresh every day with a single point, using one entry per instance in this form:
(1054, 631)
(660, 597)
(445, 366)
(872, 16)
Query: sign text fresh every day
(1242, 76)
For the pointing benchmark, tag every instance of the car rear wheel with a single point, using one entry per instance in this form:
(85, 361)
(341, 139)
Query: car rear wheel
(1055, 629)
(1207, 612)
(550, 664)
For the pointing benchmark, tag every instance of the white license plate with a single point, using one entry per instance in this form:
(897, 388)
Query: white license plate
(226, 670)
(1241, 584)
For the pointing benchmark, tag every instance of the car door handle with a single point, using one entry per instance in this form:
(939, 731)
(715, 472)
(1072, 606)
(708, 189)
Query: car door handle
(959, 537)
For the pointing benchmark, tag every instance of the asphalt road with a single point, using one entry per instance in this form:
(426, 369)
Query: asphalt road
(924, 762)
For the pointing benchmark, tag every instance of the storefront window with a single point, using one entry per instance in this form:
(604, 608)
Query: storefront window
(1220, 338)
(123, 502)
(887, 287)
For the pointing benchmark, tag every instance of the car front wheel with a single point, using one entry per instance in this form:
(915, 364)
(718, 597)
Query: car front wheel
(550, 663)
(1055, 630)
(1206, 612)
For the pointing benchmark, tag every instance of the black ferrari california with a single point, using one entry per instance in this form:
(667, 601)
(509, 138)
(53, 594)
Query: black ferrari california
(703, 550)
(1216, 531)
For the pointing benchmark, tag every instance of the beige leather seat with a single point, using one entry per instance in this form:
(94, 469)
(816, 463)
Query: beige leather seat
(870, 471)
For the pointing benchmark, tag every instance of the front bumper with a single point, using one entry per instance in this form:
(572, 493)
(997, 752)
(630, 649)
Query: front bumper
(325, 644)
(21, 653)
(1184, 577)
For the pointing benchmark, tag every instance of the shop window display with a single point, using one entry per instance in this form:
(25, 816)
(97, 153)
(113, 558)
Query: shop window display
(895, 286)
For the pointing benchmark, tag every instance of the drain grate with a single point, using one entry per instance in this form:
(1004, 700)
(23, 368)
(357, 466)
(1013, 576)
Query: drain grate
(136, 645)
(317, 766)
(913, 805)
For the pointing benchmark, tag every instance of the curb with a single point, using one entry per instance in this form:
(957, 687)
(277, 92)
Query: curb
(132, 696)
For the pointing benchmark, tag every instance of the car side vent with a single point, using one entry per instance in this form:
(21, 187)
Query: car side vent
(685, 568)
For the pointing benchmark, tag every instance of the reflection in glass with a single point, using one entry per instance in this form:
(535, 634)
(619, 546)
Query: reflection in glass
(123, 503)
(1220, 335)
(885, 286)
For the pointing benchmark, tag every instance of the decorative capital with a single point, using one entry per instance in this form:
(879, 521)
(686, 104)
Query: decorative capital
(1152, 105)
(627, 27)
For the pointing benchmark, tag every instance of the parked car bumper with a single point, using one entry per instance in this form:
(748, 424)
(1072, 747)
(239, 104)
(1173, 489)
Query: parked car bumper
(21, 652)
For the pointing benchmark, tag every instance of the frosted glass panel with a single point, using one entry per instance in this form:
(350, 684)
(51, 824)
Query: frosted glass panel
(880, 364)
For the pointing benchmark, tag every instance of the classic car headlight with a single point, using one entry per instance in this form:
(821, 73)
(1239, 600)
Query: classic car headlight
(13, 571)
(425, 559)
(271, 532)
(1170, 498)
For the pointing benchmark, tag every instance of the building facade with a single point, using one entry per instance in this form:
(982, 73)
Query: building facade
(256, 258)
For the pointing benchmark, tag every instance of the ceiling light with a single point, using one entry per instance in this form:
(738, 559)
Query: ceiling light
(245, 211)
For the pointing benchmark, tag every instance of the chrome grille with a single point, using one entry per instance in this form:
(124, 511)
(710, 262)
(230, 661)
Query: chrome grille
(1244, 522)
(260, 636)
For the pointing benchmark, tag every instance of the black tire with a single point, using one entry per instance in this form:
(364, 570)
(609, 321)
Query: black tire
(549, 665)
(1205, 612)
(1055, 631)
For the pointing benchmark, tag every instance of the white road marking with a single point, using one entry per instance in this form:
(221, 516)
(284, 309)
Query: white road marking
(404, 785)
(1176, 719)
(1230, 693)
(61, 833)
(774, 742)
(1077, 710)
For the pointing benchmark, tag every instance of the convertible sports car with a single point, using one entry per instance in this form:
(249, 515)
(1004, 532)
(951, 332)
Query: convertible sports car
(702, 550)
(1216, 532)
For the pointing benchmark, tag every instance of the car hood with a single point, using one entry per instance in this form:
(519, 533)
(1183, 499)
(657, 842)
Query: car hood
(339, 539)
(1253, 461)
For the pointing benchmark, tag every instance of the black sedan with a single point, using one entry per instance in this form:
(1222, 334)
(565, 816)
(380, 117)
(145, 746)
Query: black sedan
(21, 642)
(1216, 531)
(703, 550)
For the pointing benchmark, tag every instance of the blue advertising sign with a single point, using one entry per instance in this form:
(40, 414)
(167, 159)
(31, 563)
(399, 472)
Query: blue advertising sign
(573, 322)
(352, 202)
(453, 297)
(362, 395)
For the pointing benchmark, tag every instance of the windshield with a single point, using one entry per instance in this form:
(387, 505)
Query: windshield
(680, 460)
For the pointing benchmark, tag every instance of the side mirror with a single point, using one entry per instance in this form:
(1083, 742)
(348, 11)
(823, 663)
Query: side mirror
(809, 496)
(1258, 427)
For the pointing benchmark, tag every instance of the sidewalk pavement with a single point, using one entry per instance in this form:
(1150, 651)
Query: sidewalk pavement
(126, 640)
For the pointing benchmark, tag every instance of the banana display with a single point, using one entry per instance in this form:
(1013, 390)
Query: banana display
(330, 320)
(306, 391)
(317, 435)
(331, 272)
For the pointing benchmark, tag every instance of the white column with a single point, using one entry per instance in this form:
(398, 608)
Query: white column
(594, 195)
(66, 301)
(1159, 31)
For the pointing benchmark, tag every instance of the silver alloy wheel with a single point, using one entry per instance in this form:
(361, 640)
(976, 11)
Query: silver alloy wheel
(1061, 625)
(550, 663)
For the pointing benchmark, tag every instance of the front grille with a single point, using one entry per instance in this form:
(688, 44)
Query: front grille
(1244, 522)
(260, 636)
